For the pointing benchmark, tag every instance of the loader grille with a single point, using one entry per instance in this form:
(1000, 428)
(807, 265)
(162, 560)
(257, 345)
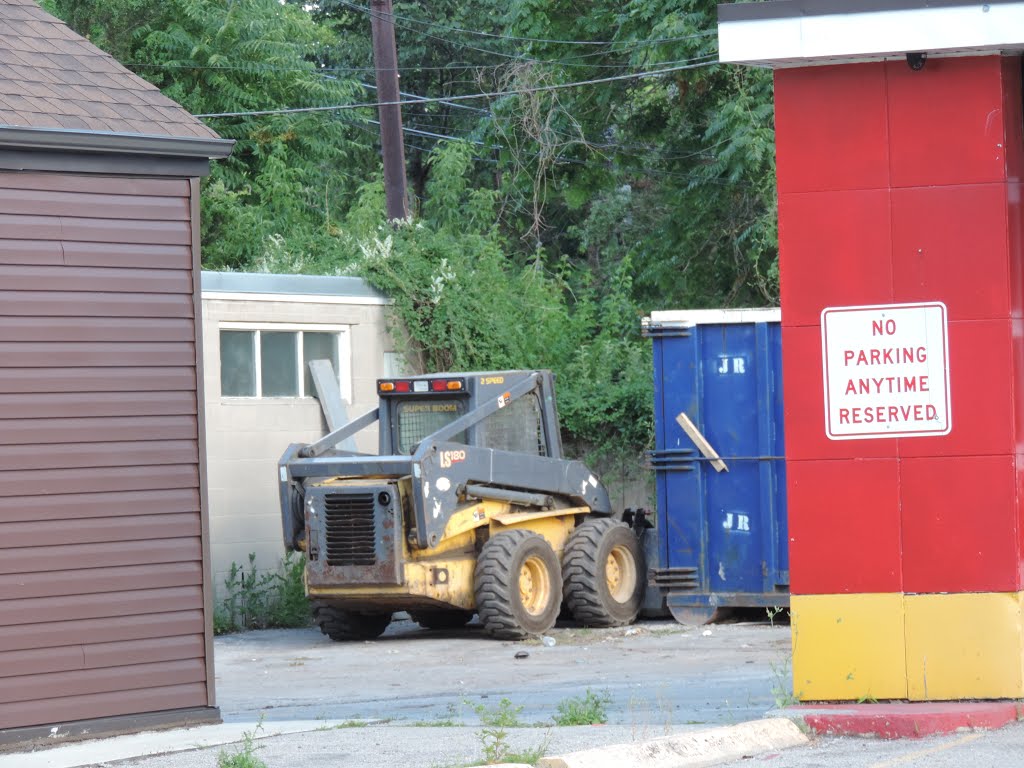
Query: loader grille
(350, 529)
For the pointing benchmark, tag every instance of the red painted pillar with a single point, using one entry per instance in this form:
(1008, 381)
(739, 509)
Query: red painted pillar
(901, 186)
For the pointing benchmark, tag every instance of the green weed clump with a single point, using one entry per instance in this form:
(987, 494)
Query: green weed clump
(263, 599)
(589, 709)
(493, 736)
(245, 757)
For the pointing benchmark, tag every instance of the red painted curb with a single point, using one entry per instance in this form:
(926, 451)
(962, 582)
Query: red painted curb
(905, 720)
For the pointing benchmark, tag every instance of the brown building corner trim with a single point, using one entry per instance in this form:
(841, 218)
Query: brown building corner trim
(204, 494)
(18, 739)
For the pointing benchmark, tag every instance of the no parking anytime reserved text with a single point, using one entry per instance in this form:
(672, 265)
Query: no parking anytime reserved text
(886, 371)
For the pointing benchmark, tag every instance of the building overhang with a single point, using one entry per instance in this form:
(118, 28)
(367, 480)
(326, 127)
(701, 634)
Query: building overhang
(76, 151)
(786, 33)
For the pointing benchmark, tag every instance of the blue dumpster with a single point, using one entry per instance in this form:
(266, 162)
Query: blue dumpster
(721, 535)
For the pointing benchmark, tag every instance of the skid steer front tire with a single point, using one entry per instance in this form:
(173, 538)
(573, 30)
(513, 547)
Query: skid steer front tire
(518, 585)
(603, 573)
(340, 624)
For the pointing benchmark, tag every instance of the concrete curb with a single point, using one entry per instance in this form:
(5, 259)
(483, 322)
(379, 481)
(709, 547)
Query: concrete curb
(149, 743)
(689, 750)
(904, 720)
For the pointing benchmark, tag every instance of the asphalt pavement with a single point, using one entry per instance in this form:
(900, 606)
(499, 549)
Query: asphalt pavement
(422, 700)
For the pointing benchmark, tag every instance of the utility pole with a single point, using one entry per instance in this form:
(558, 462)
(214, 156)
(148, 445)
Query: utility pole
(385, 60)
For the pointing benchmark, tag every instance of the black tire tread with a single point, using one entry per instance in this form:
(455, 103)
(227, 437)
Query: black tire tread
(343, 625)
(495, 584)
(583, 578)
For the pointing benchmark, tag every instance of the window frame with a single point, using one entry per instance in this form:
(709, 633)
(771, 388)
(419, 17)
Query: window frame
(343, 337)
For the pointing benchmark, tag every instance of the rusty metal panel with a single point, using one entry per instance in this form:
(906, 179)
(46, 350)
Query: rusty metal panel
(84, 303)
(121, 379)
(103, 594)
(77, 657)
(116, 504)
(47, 431)
(58, 634)
(51, 583)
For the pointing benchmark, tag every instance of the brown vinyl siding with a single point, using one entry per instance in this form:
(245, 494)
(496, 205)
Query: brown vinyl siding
(102, 602)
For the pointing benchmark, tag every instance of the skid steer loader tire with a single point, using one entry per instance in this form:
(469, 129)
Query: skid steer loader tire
(603, 573)
(340, 624)
(518, 585)
(441, 619)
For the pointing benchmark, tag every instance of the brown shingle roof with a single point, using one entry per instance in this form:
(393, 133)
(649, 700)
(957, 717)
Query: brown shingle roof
(52, 78)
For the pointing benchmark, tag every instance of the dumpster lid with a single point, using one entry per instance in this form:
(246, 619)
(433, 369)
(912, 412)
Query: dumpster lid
(689, 317)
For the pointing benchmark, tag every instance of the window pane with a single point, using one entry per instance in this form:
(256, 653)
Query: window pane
(318, 346)
(237, 364)
(416, 419)
(279, 366)
(516, 427)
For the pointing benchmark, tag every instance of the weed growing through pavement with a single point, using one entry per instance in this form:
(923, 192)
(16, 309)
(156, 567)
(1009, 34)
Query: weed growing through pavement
(782, 683)
(589, 709)
(782, 673)
(493, 736)
(246, 756)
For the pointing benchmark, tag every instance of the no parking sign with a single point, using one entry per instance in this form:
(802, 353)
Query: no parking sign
(886, 371)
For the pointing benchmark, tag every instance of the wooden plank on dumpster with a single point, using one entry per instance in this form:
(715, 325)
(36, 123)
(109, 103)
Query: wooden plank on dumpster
(701, 442)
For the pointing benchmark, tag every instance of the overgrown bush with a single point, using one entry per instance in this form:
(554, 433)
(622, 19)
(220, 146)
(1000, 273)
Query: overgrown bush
(257, 599)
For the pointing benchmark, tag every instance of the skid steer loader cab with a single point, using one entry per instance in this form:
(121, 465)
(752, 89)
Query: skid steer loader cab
(468, 507)
(413, 409)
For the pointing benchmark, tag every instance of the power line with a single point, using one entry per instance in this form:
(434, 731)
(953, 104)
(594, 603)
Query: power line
(468, 97)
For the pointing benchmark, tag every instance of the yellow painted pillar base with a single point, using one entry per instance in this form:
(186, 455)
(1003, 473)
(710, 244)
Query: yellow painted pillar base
(862, 647)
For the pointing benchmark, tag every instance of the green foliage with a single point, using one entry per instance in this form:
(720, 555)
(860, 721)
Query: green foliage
(263, 599)
(245, 757)
(589, 709)
(546, 222)
(493, 736)
(504, 715)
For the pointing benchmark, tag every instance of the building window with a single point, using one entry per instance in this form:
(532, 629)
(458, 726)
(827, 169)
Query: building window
(273, 360)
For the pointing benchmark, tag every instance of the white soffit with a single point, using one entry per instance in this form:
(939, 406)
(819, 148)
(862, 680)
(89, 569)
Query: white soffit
(800, 32)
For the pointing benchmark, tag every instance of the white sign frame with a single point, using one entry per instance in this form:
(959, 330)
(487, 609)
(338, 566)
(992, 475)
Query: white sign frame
(885, 370)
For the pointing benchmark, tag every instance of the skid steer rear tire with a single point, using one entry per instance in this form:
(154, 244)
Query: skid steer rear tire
(518, 585)
(441, 619)
(603, 573)
(340, 624)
